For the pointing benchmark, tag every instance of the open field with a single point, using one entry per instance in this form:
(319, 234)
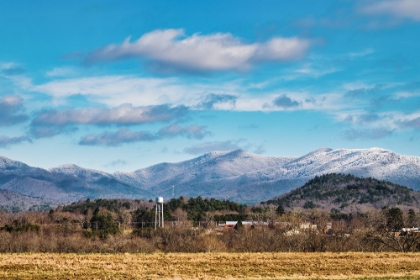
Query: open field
(211, 266)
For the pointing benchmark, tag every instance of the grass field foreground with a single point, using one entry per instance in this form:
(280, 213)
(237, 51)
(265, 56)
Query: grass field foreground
(211, 266)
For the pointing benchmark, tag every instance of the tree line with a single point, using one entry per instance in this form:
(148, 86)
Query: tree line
(192, 225)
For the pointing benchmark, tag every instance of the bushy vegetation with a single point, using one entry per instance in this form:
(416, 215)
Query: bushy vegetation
(127, 226)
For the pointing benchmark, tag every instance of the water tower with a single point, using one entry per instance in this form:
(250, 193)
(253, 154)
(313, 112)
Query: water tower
(159, 212)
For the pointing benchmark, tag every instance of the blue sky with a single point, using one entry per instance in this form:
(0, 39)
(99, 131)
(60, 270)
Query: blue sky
(121, 85)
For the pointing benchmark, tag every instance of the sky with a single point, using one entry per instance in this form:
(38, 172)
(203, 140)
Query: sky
(123, 85)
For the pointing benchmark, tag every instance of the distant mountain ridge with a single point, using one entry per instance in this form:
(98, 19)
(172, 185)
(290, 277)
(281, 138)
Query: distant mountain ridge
(238, 175)
(246, 177)
(60, 185)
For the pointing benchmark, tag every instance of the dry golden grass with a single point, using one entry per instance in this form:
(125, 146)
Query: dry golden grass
(212, 266)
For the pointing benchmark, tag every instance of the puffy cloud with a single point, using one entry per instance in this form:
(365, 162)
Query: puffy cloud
(281, 49)
(50, 123)
(8, 141)
(284, 101)
(220, 51)
(364, 92)
(363, 118)
(230, 96)
(9, 108)
(117, 138)
(124, 135)
(413, 123)
(112, 90)
(212, 100)
(368, 118)
(11, 69)
(396, 8)
(124, 114)
(10, 101)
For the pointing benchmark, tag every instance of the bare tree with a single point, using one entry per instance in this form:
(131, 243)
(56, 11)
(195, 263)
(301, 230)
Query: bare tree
(387, 229)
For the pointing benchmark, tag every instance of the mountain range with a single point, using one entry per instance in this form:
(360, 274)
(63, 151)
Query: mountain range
(237, 175)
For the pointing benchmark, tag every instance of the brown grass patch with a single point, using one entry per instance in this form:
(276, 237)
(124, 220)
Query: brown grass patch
(211, 266)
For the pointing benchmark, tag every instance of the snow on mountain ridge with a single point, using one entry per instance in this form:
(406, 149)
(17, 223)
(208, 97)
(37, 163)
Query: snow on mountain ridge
(7, 162)
(73, 169)
(372, 162)
(237, 175)
(89, 175)
(209, 166)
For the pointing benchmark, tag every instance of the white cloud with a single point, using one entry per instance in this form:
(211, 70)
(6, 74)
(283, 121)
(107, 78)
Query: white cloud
(232, 96)
(396, 8)
(51, 123)
(391, 121)
(6, 65)
(292, 101)
(9, 141)
(124, 135)
(311, 71)
(11, 69)
(115, 90)
(409, 121)
(10, 107)
(124, 114)
(235, 95)
(117, 138)
(220, 51)
(285, 101)
(406, 94)
(11, 101)
(61, 72)
(362, 53)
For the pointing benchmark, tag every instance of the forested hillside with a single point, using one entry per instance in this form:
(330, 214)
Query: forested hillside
(348, 193)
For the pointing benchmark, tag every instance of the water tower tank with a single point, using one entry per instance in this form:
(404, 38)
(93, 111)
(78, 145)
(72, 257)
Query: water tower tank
(159, 199)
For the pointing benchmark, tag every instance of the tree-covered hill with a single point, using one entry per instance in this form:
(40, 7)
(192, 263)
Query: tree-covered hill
(348, 193)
